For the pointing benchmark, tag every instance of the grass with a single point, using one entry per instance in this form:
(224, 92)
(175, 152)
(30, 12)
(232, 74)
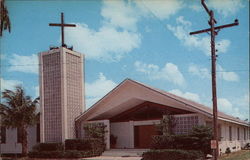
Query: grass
(240, 155)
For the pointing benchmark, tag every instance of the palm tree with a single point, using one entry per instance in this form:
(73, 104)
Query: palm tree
(4, 18)
(18, 111)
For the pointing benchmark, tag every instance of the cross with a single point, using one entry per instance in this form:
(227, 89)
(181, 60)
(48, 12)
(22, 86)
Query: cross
(62, 25)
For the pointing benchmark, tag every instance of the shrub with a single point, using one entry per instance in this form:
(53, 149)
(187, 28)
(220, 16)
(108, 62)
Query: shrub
(166, 125)
(204, 135)
(186, 142)
(198, 139)
(46, 154)
(162, 142)
(228, 150)
(97, 145)
(74, 148)
(172, 155)
(77, 144)
(48, 147)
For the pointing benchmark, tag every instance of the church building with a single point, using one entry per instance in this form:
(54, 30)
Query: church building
(130, 111)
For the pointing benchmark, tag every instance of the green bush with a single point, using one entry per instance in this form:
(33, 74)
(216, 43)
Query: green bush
(46, 154)
(174, 142)
(48, 147)
(186, 142)
(61, 154)
(78, 144)
(170, 154)
(162, 142)
(74, 148)
(198, 139)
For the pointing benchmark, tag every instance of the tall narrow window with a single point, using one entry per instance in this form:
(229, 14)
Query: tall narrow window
(3, 135)
(19, 135)
(230, 133)
(38, 132)
(244, 133)
(238, 133)
(219, 133)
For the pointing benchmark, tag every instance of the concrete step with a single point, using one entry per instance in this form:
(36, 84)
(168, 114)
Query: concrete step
(124, 152)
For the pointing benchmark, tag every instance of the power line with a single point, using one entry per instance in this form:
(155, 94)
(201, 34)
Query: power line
(214, 30)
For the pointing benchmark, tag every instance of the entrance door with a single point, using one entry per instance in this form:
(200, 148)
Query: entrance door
(143, 135)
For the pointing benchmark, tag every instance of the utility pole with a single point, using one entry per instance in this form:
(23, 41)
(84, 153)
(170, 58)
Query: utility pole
(213, 32)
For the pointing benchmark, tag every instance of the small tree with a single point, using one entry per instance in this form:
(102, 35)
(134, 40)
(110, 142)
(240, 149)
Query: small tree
(18, 111)
(204, 136)
(96, 133)
(166, 126)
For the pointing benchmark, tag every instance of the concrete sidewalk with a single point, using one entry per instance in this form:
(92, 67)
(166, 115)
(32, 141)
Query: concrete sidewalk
(112, 158)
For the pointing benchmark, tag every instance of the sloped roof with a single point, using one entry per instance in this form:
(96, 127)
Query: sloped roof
(198, 107)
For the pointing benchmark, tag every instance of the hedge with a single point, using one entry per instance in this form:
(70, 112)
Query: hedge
(74, 148)
(174, 142)
(49, 147)
(77, 144)
(181, 142)
(61, 154)
(170, 154)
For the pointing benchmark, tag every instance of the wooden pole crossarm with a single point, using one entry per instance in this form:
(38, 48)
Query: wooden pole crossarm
(216, 28)
(59, 25)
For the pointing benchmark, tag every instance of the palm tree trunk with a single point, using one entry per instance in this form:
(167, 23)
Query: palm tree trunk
(24, 141)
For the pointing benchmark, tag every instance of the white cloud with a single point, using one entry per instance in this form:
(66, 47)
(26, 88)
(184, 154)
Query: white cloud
(169, 72)
(187, 95)
(106, 44)
(9, 84)
(97, 89)
(119, 14)
(205, 73)
(182, 30)
(227, 107)
(226, 7)
(201, 72)
(227, 76)
(161, 9)
(26, 64)
(116, 36)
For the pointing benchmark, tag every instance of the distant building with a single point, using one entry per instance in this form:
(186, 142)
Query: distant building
(61, 93)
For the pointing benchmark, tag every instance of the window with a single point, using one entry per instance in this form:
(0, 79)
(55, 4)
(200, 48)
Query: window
(219, 133)
(19, 135)
(230, 133)
(3, 135)
(38, 132)
(238, 133)
(244, 133)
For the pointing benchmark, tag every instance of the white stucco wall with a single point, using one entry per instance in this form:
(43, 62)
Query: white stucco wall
(11, 145)
(122, 131)
(234, 144)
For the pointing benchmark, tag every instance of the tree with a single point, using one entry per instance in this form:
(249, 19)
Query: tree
(166, 125)
(4, 18)
(18, 111)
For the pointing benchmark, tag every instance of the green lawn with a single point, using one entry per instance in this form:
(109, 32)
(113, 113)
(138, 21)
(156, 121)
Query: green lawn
(240, 155)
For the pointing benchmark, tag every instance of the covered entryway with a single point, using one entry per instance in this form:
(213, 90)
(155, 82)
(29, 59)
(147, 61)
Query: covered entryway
(143, 135)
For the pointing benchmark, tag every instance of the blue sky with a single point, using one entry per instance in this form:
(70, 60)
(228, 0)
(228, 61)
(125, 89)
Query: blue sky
(147, 41)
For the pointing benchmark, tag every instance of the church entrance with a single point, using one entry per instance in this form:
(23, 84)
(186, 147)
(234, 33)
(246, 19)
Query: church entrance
(143, 135)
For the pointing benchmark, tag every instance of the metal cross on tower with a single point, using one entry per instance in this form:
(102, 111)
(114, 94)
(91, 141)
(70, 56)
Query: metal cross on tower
(62, 25)
(213, 32)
